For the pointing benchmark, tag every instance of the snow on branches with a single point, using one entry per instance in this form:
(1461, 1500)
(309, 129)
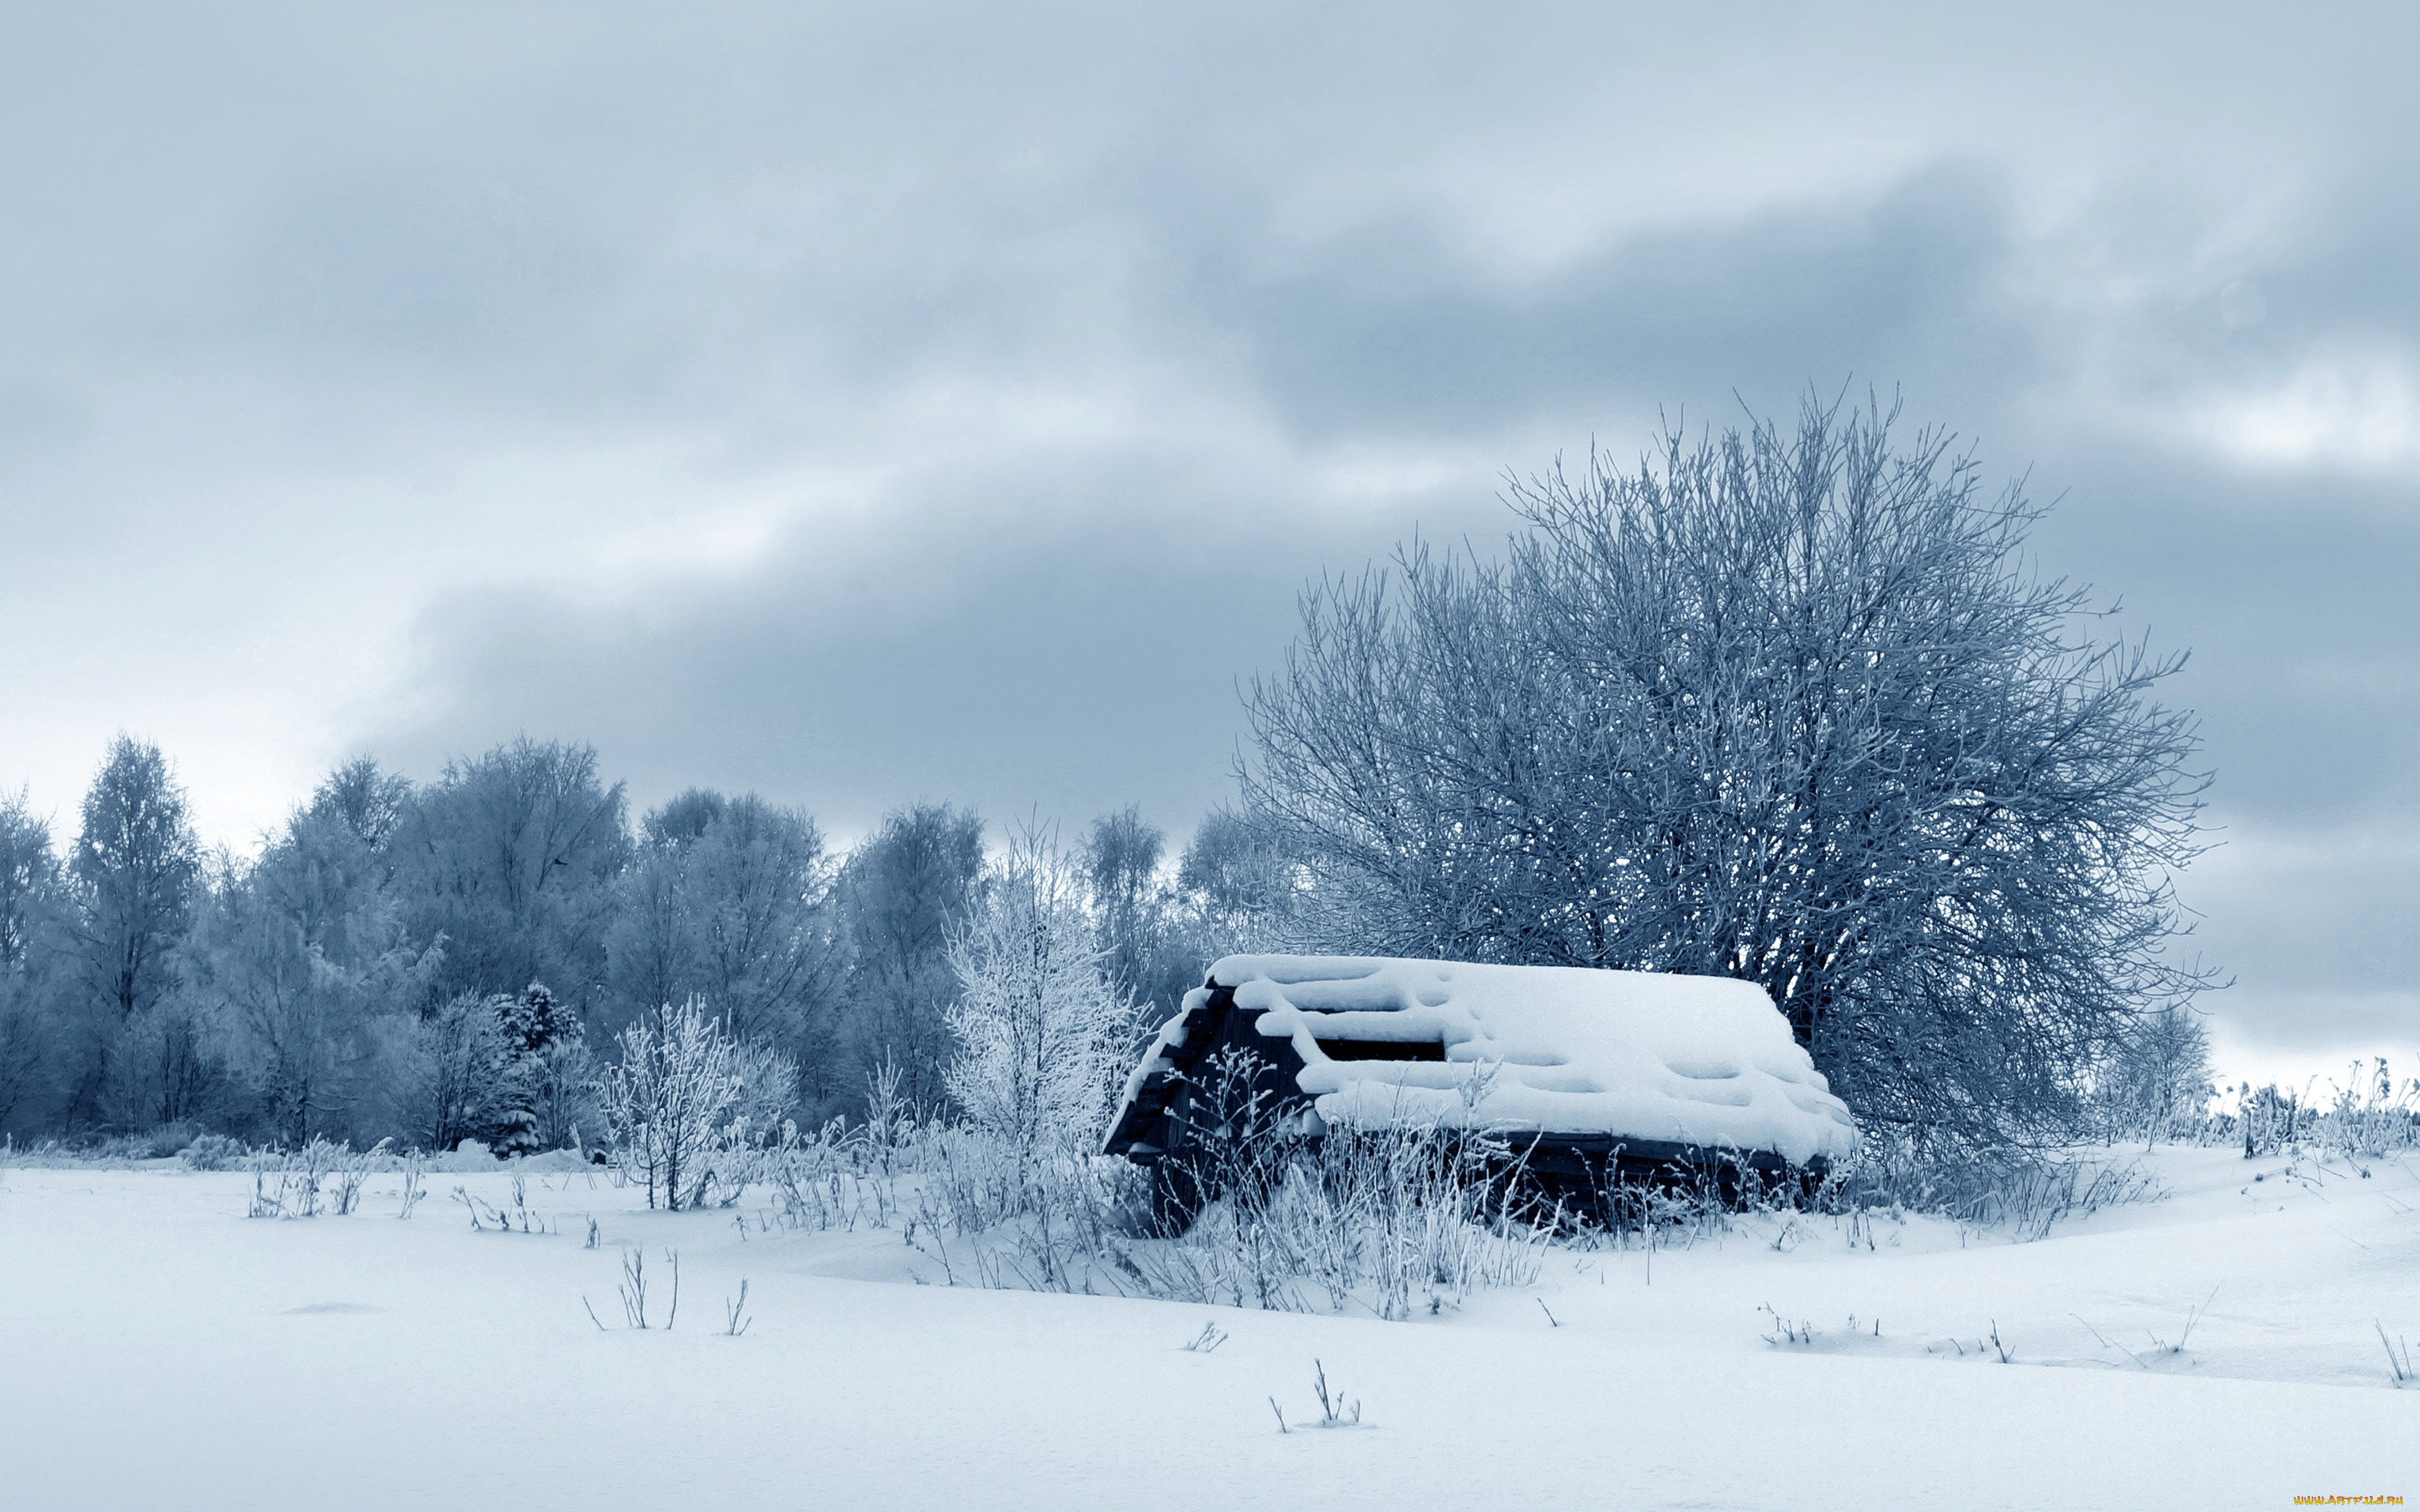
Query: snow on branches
(681, 1095)
(1041, 1031)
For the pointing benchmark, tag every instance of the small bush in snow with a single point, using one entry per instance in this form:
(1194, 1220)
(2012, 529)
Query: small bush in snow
(299, 1188)
(2367, 1116)
(1334, 1411)
(677, 1106)
(212, 1152)
(2022, 1191)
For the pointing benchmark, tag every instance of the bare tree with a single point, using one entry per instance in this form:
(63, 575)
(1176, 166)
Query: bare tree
(1784, 707)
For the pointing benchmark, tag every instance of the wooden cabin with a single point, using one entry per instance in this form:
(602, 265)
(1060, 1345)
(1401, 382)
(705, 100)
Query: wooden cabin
(1590, 1079)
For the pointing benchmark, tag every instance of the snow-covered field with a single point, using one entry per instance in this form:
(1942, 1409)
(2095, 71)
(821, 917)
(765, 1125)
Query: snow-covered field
(158, 1348)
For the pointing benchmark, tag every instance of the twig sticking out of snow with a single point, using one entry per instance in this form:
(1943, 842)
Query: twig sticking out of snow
(635, 1287)
(1208, 1340)
(1785, 1332)
(734, 1312)
(632, 1289)
(1333, 1410)
(2119, 1348)
(1551, 1321)
(352, 1170)
(2193, 1314)
(2400, 1364)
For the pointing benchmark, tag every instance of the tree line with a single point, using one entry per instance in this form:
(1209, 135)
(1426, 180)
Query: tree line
(1791, 706)
(437, 961)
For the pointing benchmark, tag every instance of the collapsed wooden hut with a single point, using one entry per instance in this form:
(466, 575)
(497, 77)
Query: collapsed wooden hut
(1589, 1079)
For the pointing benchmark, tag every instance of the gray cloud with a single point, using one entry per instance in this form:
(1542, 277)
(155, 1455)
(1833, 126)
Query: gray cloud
(1385, 333)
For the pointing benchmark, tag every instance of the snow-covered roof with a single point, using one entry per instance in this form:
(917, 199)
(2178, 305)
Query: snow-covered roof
(1706, 1061)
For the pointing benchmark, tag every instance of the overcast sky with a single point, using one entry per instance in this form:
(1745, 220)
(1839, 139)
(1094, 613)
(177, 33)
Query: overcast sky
(948, 400)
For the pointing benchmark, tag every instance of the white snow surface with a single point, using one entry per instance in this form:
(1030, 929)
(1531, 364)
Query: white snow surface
(1640, 1055)
(158, 1350)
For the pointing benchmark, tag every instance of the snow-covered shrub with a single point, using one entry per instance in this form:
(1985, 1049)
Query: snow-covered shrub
(768, 1086)
(678, 1103)
(2371, 1114)
(170, 1138)
(1049, 1220)
(1398, 1220)
(299, 1176)
(152, 1144)
(824, 1179)
(2367, 1114)
(2022, 1191)
(211, 1152)
(840, 1176)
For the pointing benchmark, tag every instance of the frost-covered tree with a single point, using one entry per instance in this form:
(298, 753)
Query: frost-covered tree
(725, 900)
(450, 1071)
(297, 1017)
(1041, 1030)
(1121, 866)
(2157, 1081)
(1235, 874)
(135, 867)
(898, 899)
(135, 873)
(31, 888)
(1155, 947)
(1785, 706)
(548, 1073)
(510, 858)
(33, 940)
(299, 950)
